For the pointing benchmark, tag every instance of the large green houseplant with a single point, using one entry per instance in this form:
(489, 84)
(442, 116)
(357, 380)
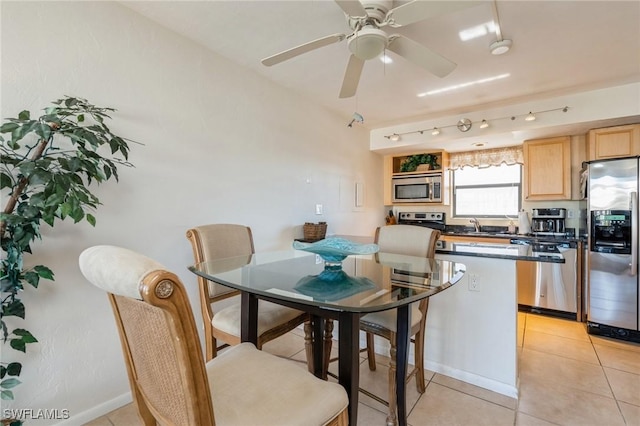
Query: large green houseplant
(47, 165)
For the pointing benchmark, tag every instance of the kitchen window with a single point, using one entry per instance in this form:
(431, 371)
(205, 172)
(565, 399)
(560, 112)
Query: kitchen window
(493, 191)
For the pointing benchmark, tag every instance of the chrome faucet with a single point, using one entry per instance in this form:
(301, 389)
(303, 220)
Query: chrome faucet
(476, 224)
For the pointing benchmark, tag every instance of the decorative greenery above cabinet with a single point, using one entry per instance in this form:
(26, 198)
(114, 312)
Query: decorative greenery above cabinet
(420, 162)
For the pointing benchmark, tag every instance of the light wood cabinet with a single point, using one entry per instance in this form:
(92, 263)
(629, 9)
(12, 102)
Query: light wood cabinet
(614, 142)
(465, 239)
(392, 167)
(547, 169)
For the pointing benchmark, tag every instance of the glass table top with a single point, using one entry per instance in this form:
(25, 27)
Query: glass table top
(364, 283)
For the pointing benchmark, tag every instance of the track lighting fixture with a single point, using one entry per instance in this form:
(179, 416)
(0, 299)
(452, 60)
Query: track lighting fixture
(357, 118)
(435, 131)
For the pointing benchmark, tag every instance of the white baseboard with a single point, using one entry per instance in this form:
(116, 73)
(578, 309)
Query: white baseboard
(473, 379)
(97, 411)
(382, 348)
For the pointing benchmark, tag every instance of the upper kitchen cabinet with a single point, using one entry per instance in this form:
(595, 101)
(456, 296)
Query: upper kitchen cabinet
(547, 169)
(614, 142)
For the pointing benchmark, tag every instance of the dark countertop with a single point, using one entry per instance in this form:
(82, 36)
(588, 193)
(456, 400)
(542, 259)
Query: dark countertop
(507, 236)
(498, 251)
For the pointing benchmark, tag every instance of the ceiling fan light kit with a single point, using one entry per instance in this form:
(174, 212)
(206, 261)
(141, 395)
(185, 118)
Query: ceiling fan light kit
(368, 43)
(367, 40)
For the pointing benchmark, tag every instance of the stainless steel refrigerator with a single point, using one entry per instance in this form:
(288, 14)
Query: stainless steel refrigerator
(612, 260)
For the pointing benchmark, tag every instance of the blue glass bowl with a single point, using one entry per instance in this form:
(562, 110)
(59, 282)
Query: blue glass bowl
(332, 285)
(336, 249)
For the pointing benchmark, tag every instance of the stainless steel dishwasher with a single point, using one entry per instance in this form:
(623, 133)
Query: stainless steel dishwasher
(546, 287)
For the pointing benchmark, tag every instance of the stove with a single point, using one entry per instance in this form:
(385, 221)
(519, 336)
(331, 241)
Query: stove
(434, 220)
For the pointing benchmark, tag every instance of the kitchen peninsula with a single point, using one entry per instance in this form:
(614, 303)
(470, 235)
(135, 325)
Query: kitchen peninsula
(472, 332)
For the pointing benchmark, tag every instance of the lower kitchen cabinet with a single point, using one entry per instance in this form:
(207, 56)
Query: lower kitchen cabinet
(465, 239)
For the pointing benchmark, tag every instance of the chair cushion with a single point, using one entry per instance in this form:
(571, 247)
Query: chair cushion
(252, 387)
(388, 319)
(270, 315)
(115, 269)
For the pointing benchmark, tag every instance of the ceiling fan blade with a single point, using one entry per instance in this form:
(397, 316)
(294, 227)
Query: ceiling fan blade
(419, 10)
(420, 55)
(352, 7)
(351, 77)
(303, 48)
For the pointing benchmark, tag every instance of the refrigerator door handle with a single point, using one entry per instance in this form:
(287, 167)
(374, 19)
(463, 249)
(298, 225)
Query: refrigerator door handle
(634, 232)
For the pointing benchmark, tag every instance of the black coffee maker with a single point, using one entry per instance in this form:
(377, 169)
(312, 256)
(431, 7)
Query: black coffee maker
(548, 221)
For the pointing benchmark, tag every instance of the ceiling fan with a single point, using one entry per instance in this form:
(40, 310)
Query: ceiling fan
(367, 41)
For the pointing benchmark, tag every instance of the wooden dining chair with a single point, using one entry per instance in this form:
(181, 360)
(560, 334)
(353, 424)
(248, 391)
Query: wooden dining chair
(169, 380)
(218, 241)
(414, 241)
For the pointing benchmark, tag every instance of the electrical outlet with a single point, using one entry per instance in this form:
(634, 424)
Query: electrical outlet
(474, 282)
(570, 214)
(318, 208)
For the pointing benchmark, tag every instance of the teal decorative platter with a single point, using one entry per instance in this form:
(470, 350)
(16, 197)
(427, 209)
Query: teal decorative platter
(336, 249)
(332, 285)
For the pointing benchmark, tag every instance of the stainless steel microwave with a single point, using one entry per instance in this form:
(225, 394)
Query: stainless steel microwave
(422, 188)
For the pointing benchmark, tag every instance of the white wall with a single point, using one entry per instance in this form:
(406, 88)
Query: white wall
(221, 144)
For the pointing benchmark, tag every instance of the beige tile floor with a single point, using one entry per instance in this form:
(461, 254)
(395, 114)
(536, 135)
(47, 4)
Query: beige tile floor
(567, 377)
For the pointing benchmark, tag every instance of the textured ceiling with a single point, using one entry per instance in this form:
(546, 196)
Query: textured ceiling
(559, 47)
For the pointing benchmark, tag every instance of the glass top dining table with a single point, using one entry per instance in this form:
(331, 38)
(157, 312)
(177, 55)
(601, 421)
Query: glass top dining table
(360, 285)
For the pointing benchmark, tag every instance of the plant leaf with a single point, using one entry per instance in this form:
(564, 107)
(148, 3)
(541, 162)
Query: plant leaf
(8, 127)
(15, 309)
(44, 272)
(9, 383)
(14, 369)
(24, 115)
(6, 395)
(5, 181)
(32, 278)
(18, 345)
(26, 336)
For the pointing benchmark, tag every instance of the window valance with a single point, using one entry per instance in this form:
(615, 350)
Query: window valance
(487, 157)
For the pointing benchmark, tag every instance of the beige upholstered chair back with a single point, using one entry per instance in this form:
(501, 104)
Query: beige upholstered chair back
(158, 335)
(407, 239)
(217, 241)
